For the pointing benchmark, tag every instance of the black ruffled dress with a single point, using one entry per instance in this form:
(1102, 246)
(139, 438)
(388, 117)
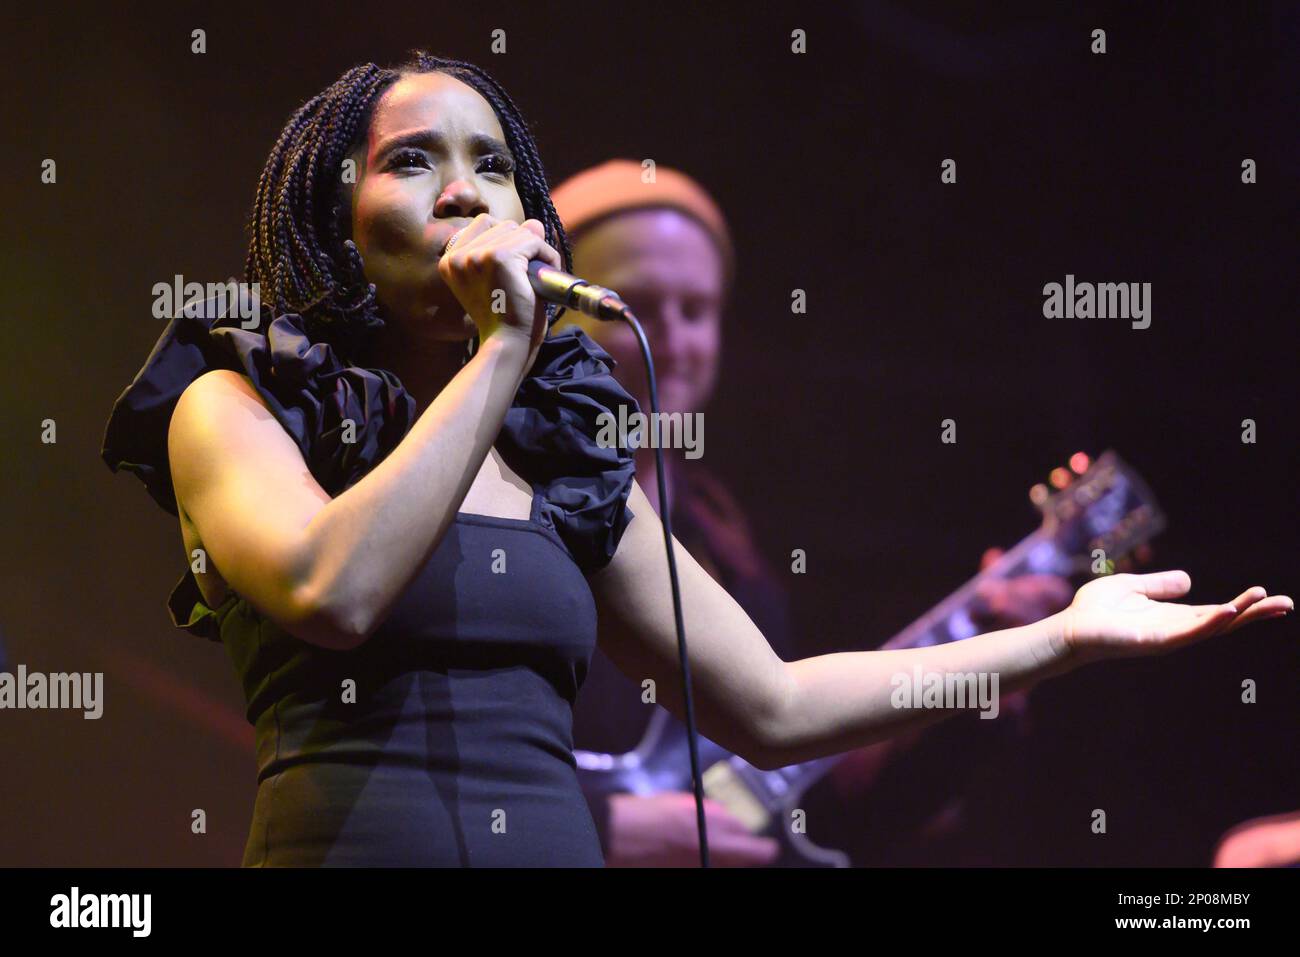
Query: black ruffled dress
(445, 739)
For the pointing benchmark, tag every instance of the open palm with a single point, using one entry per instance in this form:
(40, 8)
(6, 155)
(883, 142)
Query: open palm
(1125, 615)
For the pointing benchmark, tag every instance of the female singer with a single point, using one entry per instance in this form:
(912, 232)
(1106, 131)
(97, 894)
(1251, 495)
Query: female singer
(409, 554)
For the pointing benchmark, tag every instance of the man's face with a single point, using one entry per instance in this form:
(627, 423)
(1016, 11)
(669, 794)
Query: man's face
(669, 271)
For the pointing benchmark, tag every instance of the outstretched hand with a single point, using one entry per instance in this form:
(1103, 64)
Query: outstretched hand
(1125, 615)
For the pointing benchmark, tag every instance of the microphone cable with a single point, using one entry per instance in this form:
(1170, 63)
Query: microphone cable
(665, 510)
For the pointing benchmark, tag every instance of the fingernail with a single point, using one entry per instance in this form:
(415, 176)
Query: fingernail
(1231, 609)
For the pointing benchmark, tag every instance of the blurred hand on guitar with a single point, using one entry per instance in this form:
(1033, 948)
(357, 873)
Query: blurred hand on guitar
(658, 830)
(1012, 602)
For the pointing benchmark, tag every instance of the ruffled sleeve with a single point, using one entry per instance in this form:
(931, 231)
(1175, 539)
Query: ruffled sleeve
(551, 436)
(346, 419)
(189, 612)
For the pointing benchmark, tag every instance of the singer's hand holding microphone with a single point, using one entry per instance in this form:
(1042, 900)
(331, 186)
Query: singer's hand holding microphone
(492, 254)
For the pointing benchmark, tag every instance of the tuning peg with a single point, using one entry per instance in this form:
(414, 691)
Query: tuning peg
(1079, 462)
(1060, 478)
(1039, 495)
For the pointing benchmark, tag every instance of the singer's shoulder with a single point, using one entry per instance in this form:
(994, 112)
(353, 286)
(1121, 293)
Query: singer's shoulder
(217, 392)
(219, 409)
(229, 454)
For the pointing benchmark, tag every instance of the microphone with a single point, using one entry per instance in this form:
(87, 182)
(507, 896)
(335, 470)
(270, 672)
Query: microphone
(571, 292)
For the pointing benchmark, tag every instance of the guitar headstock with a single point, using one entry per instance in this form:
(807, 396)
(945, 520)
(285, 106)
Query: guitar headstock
(1102, 504)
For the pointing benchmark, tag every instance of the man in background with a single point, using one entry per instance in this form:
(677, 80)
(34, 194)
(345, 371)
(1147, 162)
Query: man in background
(660, 241)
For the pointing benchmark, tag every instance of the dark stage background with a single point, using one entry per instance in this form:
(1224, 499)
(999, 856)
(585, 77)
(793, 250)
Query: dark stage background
(924, 303)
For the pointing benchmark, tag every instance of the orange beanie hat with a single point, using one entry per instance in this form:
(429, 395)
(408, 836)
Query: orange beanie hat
(619, 185)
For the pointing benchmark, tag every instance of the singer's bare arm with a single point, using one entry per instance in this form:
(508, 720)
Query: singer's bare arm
(774, 713)
(328, 570)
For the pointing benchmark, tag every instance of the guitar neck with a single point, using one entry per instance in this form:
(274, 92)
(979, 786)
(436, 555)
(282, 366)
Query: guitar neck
(947, 621)
(950, 619)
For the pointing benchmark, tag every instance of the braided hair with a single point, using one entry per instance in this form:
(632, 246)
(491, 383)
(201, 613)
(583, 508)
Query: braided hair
(300, 249)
